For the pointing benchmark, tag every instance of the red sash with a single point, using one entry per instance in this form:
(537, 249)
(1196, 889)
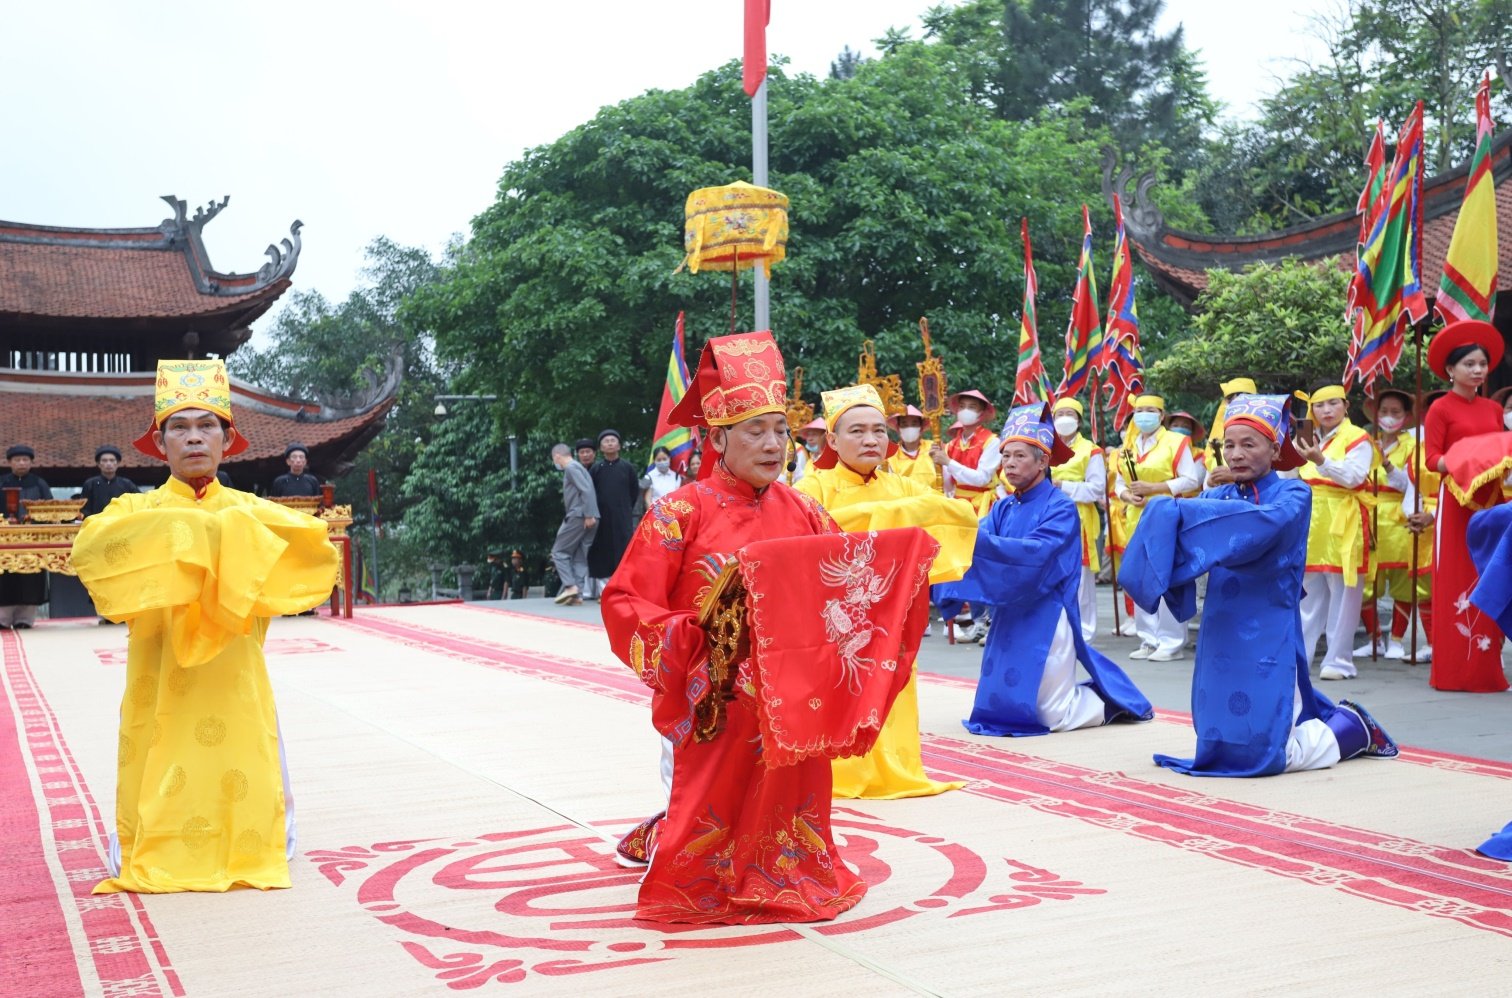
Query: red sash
(835, 622)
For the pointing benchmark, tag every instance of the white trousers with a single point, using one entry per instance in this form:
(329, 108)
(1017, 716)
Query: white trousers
(1331, 609)
(1312, 744)
(1062, 703)
(1086, 599)
(291, 837)
(1160, 630)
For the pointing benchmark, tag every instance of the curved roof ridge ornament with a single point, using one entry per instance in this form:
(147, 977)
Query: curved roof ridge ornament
(1142, 215)
(281, 257)
(381, 385)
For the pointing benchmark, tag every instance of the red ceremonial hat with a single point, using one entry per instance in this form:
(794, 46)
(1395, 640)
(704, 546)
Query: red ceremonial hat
(738, 377)
(910, 411)
(1462, 334)
(813, 424)
(954, 402)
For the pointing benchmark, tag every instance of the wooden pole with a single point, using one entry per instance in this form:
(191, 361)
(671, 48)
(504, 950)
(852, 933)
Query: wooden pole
(1375, 538)
(1417, 479)
(734, 287)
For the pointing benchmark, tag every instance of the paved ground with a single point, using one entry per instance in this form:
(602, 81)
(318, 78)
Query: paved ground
(1397, 693)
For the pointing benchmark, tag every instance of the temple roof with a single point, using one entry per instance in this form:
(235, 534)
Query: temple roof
(1178, 261)
(164, 272)
(65, 416)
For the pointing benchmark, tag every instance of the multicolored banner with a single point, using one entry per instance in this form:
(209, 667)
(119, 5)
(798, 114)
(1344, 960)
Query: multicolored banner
(1386, 292)
(1031, 384)
(1125, 360)
(679, 440)
(1468, 288)
(1084, 331)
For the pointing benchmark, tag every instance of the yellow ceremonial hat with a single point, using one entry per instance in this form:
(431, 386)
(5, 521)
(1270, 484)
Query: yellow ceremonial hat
(190, 384)
(1325, 394)
(1238, 386)
(1069, 403)
(1150, 402)
(840, 401)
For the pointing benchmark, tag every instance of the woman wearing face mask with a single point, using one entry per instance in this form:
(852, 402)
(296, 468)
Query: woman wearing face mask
(1339, 460)
(1154, 464)
(660, 478)
(1391, 554)
(1467, 644)
(811, 445)
(911, 459)
(1084, 480)
(1186, 424)
(972, 459)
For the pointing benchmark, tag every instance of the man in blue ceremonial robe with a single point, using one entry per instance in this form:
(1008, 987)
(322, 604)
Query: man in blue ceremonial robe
(1027, 566)
(1255, 712)
(1490, 541)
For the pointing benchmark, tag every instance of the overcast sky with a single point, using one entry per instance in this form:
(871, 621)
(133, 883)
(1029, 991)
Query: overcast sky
(390, 118)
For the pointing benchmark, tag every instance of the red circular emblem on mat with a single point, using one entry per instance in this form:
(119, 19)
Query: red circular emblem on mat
(552, 901)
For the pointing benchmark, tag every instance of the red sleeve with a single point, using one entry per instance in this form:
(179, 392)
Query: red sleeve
(647, 631)
(1435, 436)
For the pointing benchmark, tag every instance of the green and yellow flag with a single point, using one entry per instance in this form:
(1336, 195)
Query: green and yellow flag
(1468, 287)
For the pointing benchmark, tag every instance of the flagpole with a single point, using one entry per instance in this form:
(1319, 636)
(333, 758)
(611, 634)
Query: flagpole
(1421, 418)
(759, 178)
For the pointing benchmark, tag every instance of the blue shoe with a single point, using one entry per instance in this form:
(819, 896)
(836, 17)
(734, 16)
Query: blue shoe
(1380, 744)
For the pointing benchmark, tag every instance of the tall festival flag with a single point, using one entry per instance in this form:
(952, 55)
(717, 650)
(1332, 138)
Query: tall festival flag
(758, 14)
(1031, 384)
(679, 440)
(1122, 359)
(1375, 179)
(1084, 331)
(1386, 292)
(1468, 288)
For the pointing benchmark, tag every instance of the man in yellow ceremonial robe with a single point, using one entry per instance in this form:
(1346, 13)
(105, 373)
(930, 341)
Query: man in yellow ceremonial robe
(860, 494)
(196, 570)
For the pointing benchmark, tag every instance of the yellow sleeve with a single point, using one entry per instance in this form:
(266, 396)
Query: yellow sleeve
(213, 572)
(951, 522)
(810, 485)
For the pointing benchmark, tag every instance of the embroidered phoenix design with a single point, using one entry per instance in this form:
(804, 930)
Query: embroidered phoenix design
(847, 620)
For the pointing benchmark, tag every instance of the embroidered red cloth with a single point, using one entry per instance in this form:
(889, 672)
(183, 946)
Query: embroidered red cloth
(833, 643)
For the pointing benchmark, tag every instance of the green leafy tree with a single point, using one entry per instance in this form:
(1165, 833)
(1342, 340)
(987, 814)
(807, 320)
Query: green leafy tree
(905, 202)
(321, 349)
(846, 64)
(1281, 324)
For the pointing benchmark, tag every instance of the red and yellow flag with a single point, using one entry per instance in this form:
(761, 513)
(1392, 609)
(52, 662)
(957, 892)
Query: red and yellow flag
(1468, 288)
(1031, 383)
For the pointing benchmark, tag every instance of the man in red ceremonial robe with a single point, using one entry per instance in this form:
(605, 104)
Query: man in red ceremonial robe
(740, 842)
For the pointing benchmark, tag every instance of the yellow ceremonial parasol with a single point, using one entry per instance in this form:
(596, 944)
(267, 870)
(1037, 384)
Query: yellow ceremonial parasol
(734, 227)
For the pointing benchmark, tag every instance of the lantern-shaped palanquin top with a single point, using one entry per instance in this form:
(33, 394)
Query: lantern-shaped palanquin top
(735, 227)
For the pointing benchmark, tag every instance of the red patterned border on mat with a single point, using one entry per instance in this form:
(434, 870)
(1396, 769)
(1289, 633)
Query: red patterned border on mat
(1417, 756)
(1434, 880)
(128, 956)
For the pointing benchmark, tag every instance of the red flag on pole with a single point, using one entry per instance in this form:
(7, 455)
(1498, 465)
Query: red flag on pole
(758, 14)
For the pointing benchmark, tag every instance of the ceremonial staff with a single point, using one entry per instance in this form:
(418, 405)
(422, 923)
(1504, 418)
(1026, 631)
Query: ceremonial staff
(1417, 479)
(1130, 476)
(932, 405)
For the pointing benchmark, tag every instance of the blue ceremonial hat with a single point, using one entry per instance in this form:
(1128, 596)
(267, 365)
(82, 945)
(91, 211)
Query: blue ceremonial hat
(1271, 416)
(1031, 424)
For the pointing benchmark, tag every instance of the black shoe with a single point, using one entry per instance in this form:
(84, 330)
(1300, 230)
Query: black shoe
(22, 627)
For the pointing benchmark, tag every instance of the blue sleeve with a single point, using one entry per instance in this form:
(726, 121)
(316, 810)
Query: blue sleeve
(1490, 541)
(1176, 543)
(1007, 571)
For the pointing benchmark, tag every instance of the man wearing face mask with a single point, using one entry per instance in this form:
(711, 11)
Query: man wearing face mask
(1155, 465)
(1339, 460)
(1027, 565)
(1083, 477)
(912, 460)
(971, 460)
(1391, 554)
(851, 481)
